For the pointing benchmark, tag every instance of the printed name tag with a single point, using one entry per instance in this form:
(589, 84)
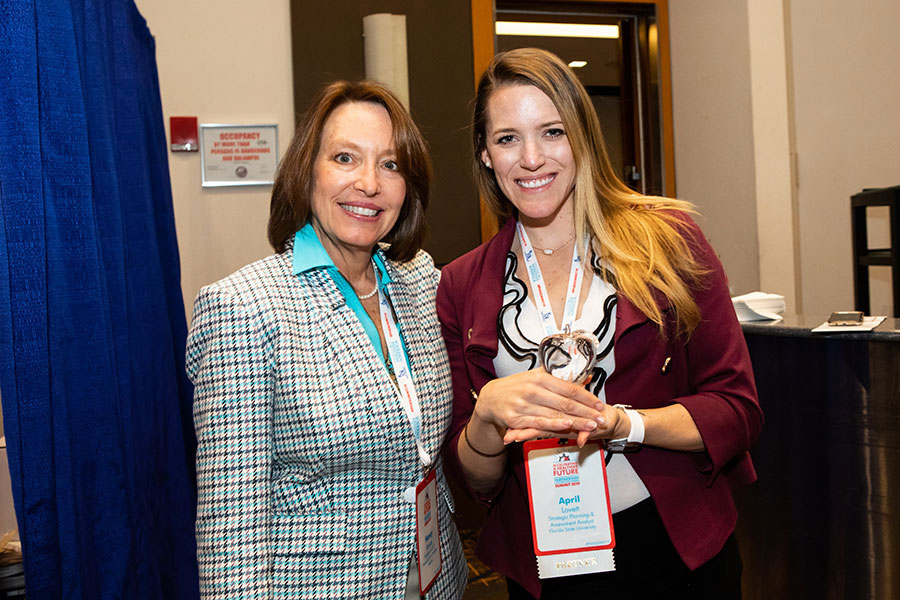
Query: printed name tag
(428, 534)
(571, 519)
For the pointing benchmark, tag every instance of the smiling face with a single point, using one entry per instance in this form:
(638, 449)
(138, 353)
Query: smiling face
(527, 147)
(358, 189)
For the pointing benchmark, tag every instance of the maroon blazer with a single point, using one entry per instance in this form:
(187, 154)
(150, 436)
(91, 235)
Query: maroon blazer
(710, 375)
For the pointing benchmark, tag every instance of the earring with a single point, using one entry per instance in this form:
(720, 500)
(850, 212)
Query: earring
(487, 163)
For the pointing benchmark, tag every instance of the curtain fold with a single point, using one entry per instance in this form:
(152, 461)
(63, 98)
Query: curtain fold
(96, 404)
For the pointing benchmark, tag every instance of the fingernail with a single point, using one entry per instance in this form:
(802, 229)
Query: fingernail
(601, 421)
(591, 425)
(599, 406)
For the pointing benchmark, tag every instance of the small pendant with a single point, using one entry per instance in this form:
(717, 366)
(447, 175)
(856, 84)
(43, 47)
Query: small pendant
(548, 251)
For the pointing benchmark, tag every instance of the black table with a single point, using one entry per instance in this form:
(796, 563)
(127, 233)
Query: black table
(823, 521)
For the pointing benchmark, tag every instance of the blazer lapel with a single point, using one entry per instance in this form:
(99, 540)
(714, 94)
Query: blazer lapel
(422, 362)
(628, 316)
(486, 283)
(354, 361)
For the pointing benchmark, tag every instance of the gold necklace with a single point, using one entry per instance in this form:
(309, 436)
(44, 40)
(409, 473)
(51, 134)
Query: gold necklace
(549, 251)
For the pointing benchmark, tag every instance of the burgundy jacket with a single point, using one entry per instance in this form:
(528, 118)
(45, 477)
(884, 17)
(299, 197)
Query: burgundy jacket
(710, 375)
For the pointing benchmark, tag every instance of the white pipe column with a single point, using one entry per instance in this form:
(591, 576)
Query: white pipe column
(385, 52)
(774, 148)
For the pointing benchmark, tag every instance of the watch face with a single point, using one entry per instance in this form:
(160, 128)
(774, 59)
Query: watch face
(622, 446)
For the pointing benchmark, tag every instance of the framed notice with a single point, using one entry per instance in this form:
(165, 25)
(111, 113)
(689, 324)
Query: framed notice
(238, 154)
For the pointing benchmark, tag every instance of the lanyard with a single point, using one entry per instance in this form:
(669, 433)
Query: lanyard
(542, 294)
(406, 389)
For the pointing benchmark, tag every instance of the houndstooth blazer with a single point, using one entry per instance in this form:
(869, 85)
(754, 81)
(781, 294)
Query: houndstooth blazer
(303, 451)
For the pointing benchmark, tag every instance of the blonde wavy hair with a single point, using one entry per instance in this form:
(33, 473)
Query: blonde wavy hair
(638, 237)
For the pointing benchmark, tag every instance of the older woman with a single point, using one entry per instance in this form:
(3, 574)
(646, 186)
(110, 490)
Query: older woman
(322, 390)
(672, 356)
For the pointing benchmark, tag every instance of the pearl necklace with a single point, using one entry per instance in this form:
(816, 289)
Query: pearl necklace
(370, 294)
(374, 289)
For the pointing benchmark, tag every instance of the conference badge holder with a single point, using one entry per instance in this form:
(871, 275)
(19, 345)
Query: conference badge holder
(568, 493)
(428, 534)
(571, 519)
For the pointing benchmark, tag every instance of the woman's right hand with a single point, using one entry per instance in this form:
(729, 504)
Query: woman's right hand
(518, 408)
(534, 404)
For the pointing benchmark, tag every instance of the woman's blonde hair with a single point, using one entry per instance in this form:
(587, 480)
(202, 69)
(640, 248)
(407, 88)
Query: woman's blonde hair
(638, 237)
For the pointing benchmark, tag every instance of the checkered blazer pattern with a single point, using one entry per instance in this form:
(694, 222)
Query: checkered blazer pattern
(303, 451)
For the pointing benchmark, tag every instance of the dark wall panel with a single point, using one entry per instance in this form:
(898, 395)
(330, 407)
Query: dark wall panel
(328, 45)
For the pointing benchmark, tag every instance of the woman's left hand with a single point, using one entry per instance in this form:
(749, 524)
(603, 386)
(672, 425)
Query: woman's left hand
(617, 425)
(669, 427)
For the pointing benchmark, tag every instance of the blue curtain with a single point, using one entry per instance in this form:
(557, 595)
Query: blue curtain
(96, 404)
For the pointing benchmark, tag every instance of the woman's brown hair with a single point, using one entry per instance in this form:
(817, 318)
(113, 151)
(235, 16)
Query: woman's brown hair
(638, 237)
(294, 183)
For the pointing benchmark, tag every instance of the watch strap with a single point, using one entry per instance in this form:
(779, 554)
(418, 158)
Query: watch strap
(635, 439)
(637, 426)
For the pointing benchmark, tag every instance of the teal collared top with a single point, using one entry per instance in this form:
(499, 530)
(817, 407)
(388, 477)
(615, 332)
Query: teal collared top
(309, 254)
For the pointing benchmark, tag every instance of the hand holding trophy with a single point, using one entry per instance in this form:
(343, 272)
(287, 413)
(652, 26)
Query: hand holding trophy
(571, 356)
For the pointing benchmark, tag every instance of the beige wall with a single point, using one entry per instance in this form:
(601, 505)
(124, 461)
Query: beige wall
(714, 165)
(847, 107)
(796, 102)
(224, 61)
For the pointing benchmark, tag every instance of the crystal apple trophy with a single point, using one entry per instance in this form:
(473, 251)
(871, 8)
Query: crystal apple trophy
(569, 355)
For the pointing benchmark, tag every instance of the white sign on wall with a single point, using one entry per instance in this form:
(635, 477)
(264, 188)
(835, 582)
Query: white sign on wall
(238, 154)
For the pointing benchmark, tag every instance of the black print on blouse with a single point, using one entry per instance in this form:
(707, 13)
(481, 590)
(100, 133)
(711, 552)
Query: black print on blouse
(516, 291)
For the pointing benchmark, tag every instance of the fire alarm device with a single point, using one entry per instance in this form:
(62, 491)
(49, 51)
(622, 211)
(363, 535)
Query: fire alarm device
(183, 133)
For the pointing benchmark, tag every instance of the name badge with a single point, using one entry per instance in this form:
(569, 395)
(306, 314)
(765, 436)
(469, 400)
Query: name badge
(428, 534)
(571, 518)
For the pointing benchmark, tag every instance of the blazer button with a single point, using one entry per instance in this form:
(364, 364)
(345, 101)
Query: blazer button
(470, 333)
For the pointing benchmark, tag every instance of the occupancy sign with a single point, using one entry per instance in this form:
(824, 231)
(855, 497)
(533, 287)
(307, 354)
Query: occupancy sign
(239, 154)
